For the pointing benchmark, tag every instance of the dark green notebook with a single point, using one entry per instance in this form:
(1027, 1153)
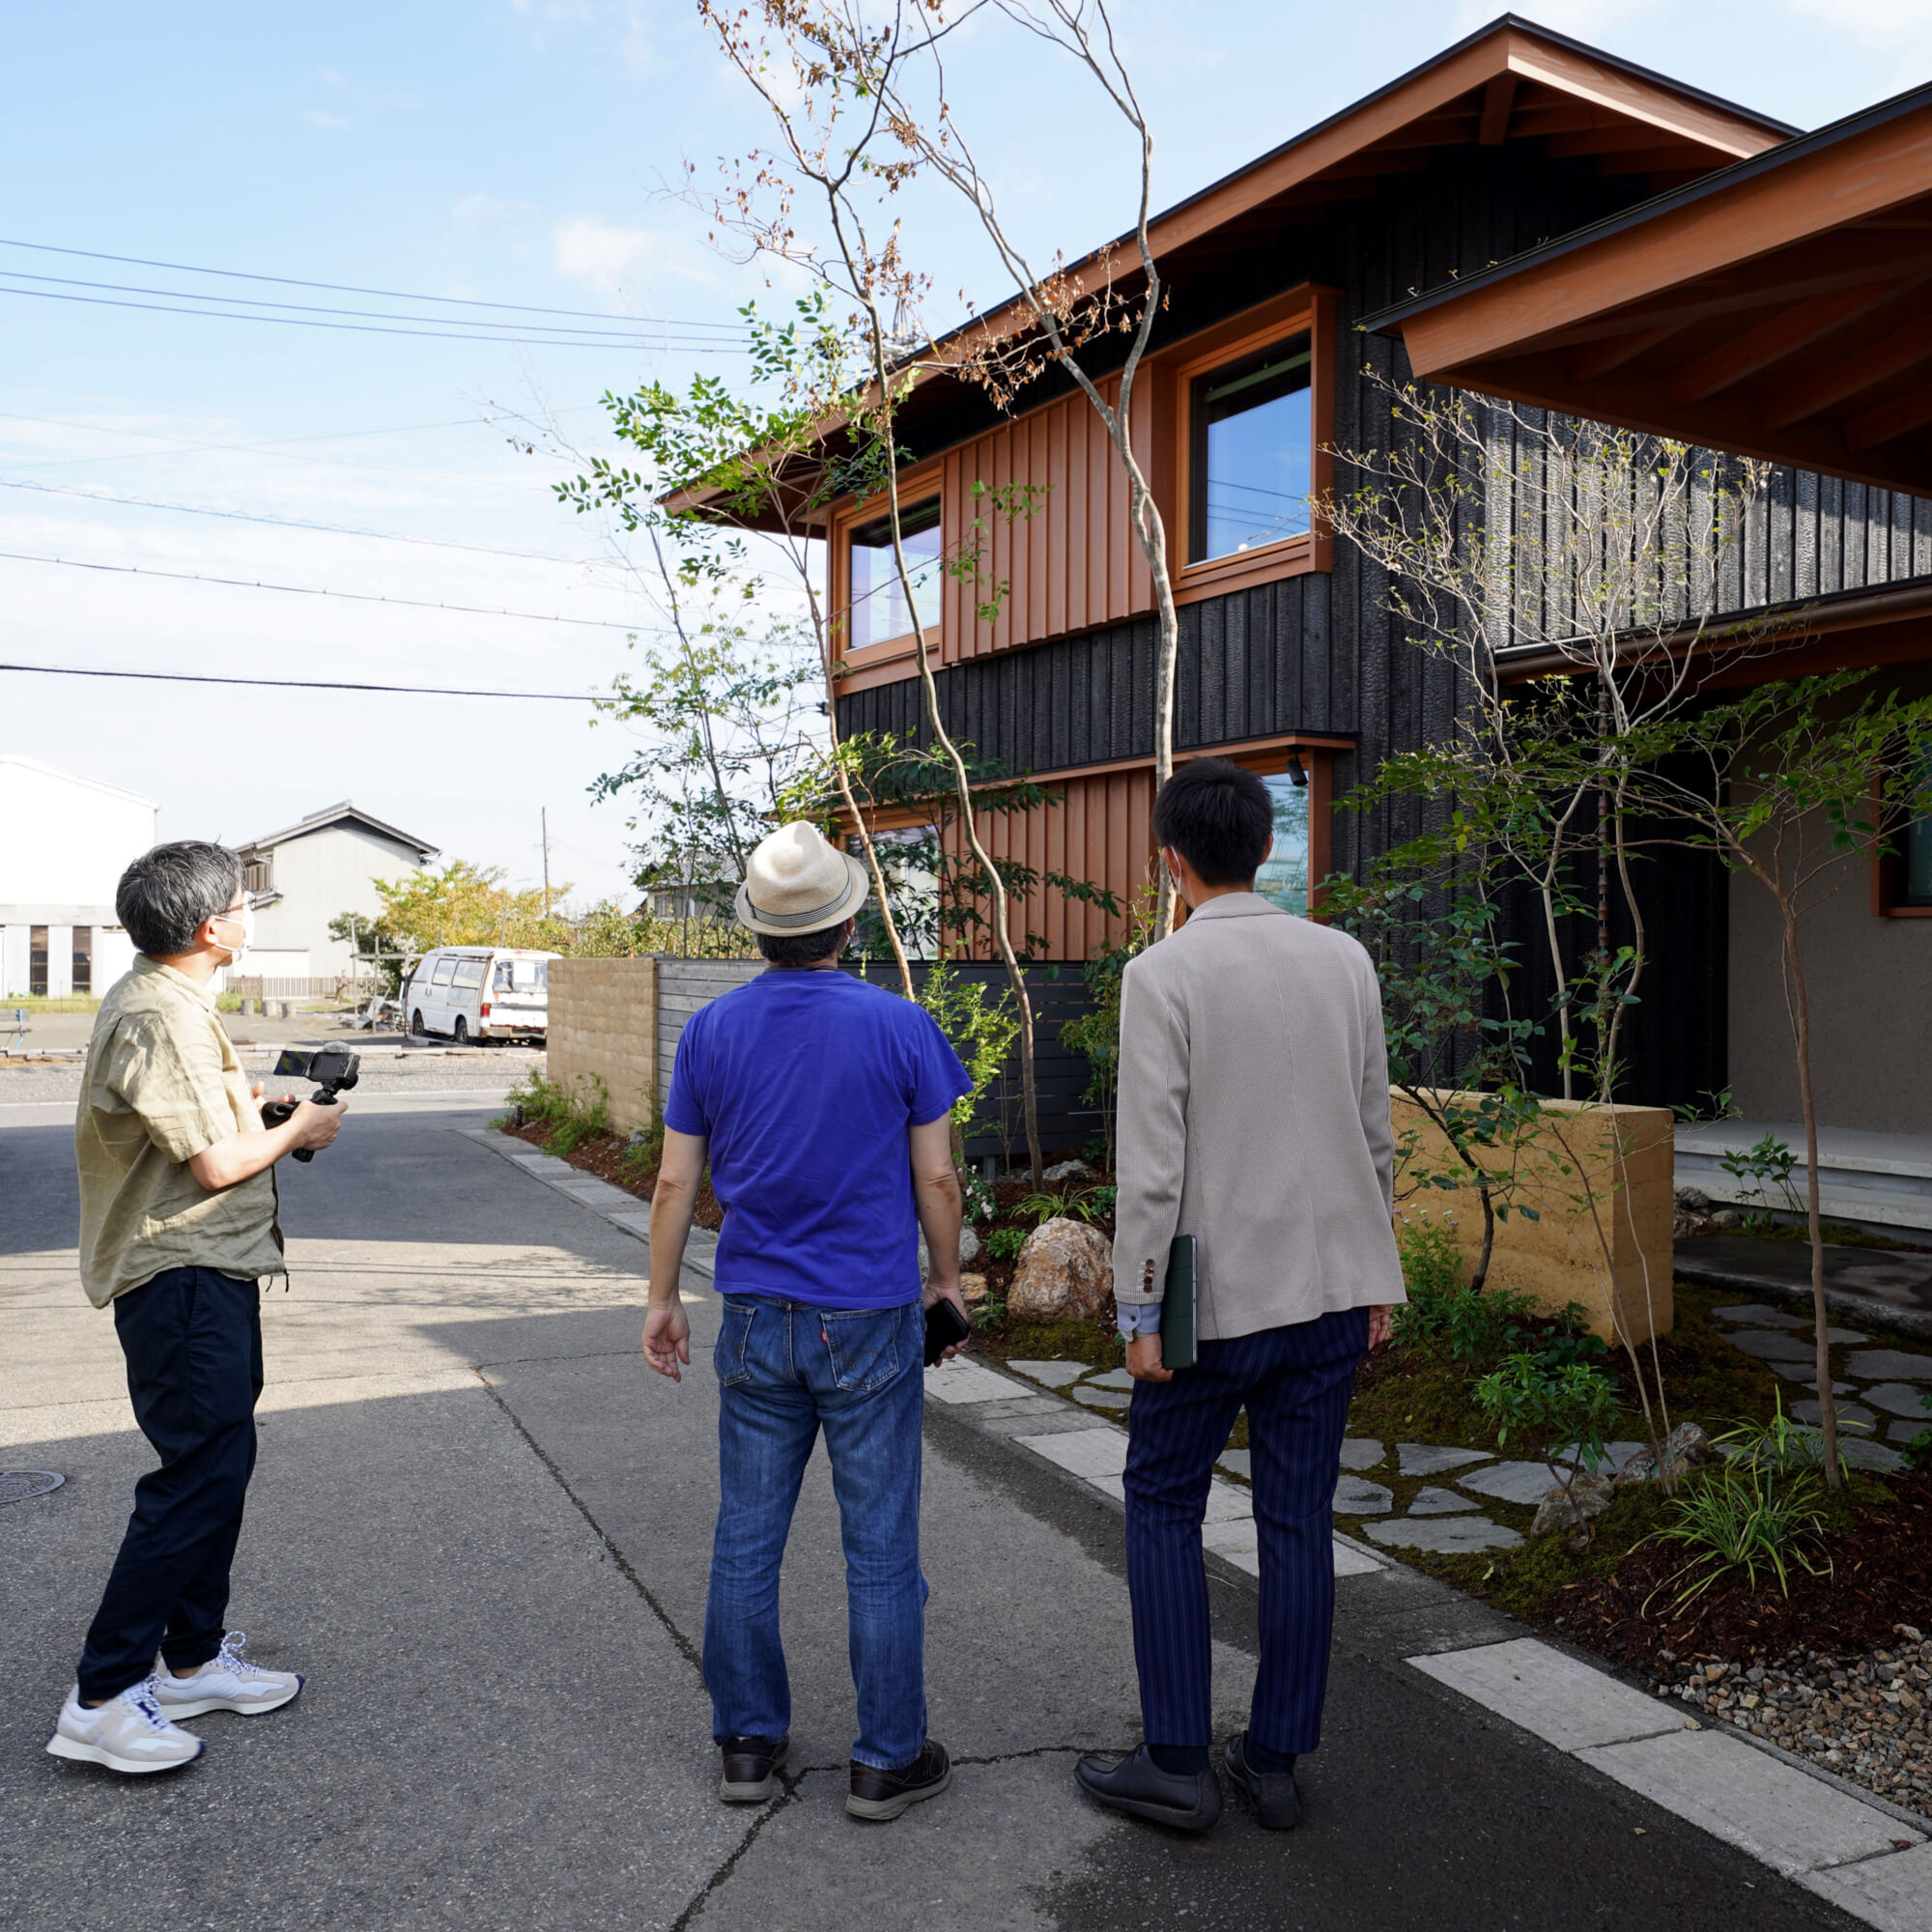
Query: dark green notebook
(1177, 1306)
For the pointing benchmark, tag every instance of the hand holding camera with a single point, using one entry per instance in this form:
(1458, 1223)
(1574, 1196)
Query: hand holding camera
(319, 1118)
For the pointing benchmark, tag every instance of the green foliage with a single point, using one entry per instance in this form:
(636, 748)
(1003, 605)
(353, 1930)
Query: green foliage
(1005, 1244)
(983, 1026)
(568, 1119)
(1091, 1204)
(1767, 1164)
(1919, 1451)
(642, 1157)
(1550, 1407)
(1431, 1258)
(1095, 1036)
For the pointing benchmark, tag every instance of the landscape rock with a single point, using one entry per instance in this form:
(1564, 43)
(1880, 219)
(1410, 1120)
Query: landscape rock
(969, 1250)
(1686, 1446)
(972, 1289)
(1449, 1535)
(1067, 1170)
(1693, 1200)
(1065, 1271)
(1586, 1496)
(1524, 1483)
(1354, 1496)
(1888, 1364)
(1727, 1218)
(1439, 1502)
(1425, 1458)
(1361, 1452)
(1873, 1456)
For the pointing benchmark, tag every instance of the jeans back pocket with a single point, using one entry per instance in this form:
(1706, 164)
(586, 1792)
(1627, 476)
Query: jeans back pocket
(864, 1347)
(729, 1352)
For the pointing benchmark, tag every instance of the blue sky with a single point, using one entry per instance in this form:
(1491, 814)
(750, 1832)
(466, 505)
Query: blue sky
(515, 151)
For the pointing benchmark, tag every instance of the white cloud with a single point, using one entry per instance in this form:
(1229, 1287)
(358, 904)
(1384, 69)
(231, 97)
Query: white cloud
(592, 251)
(1901, 26)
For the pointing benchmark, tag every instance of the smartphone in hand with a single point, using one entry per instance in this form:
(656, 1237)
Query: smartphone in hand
(945, 1328)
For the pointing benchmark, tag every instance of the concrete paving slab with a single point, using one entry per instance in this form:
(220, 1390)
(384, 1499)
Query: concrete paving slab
(1237, 1463)
(1228, 1504)
(964, 1381)
(1087, 1453)
(1556, 1698)
(1426, 1458)
(1892, 1894)
(1793, 1822)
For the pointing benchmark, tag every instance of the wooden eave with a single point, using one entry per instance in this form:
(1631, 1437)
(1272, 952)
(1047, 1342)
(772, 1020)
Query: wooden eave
(1777, 309)
(1509, 83)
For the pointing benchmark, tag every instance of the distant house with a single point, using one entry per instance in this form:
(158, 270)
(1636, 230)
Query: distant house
(313, 871)
(64, 842)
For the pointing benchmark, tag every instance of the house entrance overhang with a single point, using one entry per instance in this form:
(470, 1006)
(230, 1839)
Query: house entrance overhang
(1777, 308)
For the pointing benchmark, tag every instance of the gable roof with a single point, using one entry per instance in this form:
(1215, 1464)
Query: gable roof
(348, 813)
(1775, 308)
(1508, 83)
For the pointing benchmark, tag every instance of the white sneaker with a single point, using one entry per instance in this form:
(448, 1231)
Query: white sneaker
(126, 1733)
(226, 1682)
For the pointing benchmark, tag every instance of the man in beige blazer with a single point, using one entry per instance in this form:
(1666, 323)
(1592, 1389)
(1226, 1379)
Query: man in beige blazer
(1254, 1115)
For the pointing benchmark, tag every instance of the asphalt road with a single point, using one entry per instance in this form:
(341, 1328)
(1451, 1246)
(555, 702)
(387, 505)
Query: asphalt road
(482, 1529)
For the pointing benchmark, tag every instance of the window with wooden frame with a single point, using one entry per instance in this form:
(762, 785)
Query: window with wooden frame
(867, 589)
(1300, 778)
(1256, 399)
(1902, 877)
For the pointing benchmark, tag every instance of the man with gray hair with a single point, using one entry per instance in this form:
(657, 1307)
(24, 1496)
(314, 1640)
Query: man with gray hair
(178, 1223)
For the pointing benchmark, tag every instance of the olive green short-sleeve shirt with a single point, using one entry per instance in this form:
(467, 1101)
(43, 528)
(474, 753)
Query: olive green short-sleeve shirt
(162, 1084)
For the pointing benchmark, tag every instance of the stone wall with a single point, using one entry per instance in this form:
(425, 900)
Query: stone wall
(1601, 1181)
(604, 1026)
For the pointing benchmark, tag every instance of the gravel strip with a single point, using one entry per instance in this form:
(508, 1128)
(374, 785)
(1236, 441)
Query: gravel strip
(1862, 1718)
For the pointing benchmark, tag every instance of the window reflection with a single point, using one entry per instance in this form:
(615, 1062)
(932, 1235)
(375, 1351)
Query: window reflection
(1251, 437)
(879, 609)
(1284, 877)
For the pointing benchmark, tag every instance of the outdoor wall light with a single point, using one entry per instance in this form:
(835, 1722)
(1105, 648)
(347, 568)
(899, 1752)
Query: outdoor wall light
(1297, 772)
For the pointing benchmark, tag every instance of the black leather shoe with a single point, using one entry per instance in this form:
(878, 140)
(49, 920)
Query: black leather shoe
(751, 1765)
(1188, 1800)
(880, 1794)
(1274, 1794)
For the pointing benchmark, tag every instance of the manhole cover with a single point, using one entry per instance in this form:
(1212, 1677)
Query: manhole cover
(18, 1485)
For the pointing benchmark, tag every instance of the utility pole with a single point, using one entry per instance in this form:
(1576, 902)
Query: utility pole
(546, 846)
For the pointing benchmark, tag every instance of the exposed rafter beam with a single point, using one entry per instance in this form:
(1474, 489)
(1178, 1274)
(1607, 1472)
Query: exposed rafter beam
(1599, 358)
(1890, 421)
(1498, 98)
(1772, 341)
(1902, 350)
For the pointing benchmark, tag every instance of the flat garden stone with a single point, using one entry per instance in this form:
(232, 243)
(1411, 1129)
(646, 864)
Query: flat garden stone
(1524, 1483)
(1848, 1411)
(1805, 1373)
(1361, 1452)
(1906, 1432)
(1353, 1496)
(1760, 1315)
(1861, 1454)
(1448, 1536)
(1772, 1345)
(1236, 1462)
(1439, 1502)
(1100, 1398)
(1055, 1375)
(1898, 1399)
(1620, 1453)
(1425, 1458)
(1888, 1364)
(1114, 1379)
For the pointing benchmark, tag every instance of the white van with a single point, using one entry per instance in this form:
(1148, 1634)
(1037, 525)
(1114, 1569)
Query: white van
(480, 992)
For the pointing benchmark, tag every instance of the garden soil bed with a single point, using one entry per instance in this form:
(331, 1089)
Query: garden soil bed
(610, 1158)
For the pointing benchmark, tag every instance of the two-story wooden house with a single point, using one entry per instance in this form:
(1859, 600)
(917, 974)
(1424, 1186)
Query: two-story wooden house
(1289, 659)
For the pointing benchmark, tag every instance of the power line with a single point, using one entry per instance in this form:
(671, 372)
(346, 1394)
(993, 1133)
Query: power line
(296, 523)
(303, 684)
(348, 288)
(379, 328)
(313, 590)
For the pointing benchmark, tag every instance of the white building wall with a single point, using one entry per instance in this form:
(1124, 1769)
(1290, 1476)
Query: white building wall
(319, 876)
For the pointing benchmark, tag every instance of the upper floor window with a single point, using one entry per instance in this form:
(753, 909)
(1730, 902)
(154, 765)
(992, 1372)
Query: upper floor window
(258, 875)
(1252, 449)
(879, 602)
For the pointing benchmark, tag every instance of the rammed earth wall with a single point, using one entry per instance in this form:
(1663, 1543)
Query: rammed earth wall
(604, 1026)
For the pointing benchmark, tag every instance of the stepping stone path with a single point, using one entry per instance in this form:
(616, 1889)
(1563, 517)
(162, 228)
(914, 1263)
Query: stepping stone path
(1421, 1458)
(1452, 1535)
(1773, 1345)
(1097, 1396)
(1760, 1315)
(1848, 1411)
(1524, 1483)
(1054, 1374)
(1114, 1379)
(1872, 1364)
(1898, 1399)
(1356, 1497)
(1362, 1452)
(1439, 1502)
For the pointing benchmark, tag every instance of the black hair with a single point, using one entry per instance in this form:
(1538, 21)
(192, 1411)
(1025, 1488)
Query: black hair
(1218, 816)
(167, 893)
(803, 949)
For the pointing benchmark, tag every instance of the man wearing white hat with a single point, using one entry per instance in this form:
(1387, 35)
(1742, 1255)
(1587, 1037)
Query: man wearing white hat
(823, 1105)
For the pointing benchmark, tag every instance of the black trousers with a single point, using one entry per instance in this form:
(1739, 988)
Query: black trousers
(193, 1341)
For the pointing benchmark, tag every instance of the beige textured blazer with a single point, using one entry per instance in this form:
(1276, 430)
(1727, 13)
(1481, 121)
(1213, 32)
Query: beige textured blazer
(1254, 1115)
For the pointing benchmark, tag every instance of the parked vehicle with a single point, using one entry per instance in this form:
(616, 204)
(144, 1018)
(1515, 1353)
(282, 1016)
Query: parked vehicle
(479, 992)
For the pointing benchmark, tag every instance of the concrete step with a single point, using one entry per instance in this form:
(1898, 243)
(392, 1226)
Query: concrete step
(1879, 1182)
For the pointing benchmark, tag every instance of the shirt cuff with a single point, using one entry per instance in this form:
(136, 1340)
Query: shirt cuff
(1137, 1318)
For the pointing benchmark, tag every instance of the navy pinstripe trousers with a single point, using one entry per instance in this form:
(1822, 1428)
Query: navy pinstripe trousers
(1295, 1384)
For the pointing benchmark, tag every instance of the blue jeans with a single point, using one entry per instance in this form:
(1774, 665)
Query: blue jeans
(193, 1343)
(784, 1371)
(1295, 1384)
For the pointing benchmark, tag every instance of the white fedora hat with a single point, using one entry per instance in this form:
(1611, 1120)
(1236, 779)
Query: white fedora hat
(797, 882)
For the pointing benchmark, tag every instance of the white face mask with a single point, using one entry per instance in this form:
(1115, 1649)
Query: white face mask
(245, 920)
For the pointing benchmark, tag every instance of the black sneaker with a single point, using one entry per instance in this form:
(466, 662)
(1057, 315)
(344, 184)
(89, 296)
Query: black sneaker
(1187, 1801)
(880, 1794)
(751, 1765)
(1274, 1794)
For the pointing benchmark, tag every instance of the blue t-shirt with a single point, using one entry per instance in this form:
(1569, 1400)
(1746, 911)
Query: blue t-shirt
(805, 1083)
